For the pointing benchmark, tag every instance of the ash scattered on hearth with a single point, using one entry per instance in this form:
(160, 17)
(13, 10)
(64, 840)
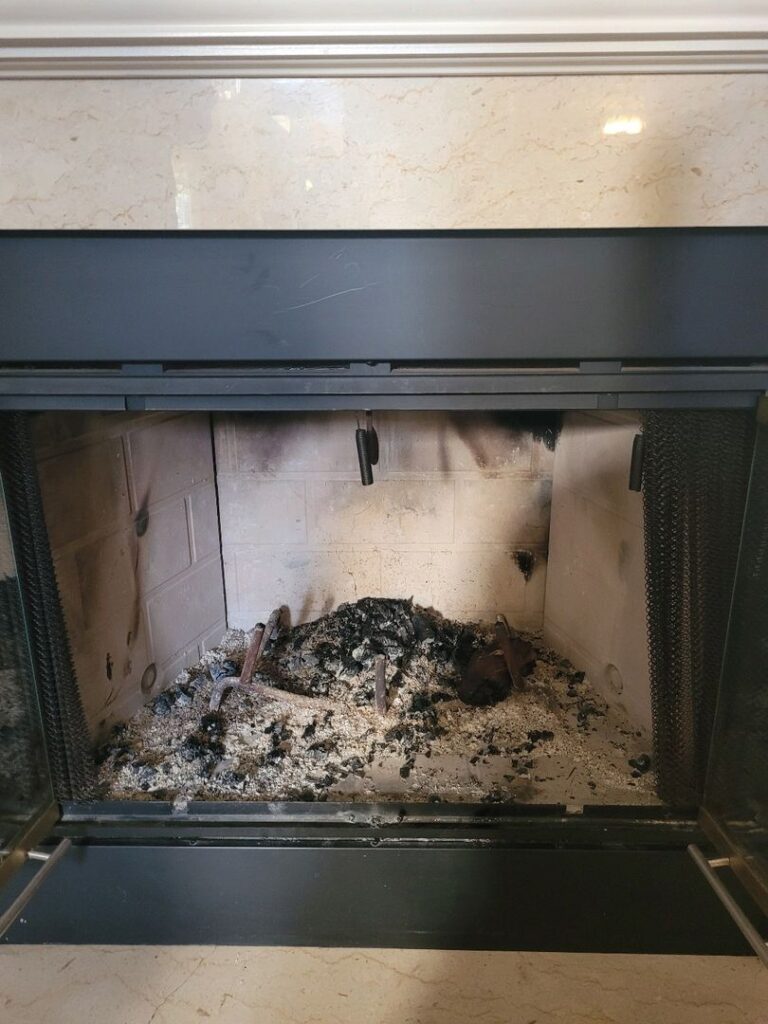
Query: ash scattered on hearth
(308, 729)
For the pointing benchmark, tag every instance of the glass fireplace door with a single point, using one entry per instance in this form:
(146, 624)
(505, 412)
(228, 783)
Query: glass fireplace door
(736, 796)
(27, 808)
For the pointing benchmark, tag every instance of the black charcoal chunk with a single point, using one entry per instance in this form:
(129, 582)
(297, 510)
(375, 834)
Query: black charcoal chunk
(641, 764)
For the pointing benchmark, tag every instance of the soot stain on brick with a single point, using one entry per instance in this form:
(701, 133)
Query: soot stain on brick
(472, 428)
(140, 525)
(141, 521)
(543, 426)
(526, 563)
(546, 427)
(280, 433)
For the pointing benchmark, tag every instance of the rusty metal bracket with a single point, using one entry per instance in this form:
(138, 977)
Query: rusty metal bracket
(380, 684)
(260, 639)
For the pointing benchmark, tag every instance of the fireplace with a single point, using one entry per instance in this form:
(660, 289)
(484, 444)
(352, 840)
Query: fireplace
(333, 540)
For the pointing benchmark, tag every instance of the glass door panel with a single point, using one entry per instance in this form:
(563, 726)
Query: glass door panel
(26, 796)
(736, 797)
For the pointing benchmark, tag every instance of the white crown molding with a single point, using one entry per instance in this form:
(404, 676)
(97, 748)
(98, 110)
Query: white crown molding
(288, 38)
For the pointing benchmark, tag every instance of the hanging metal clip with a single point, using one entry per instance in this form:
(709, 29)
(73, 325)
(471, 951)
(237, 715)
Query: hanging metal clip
(367, 441)
(636, 465)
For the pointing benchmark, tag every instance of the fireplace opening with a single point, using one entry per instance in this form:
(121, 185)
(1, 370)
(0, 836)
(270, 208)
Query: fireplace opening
(497, 618)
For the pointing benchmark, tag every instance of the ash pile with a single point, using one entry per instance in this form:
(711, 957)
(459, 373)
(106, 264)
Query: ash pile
(336, 656)
(365, 704)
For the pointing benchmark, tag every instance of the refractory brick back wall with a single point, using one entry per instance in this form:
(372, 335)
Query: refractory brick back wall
(456, 499)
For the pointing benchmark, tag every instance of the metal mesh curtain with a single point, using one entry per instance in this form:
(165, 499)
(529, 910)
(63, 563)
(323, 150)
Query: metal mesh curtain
(66, 733)
(695, 477)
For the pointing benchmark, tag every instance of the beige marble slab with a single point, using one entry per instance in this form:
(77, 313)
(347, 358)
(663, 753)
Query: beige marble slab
(532, 151)
(241, 985)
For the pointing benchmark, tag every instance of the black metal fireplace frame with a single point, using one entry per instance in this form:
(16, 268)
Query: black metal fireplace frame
(508, 320)
(400, 320)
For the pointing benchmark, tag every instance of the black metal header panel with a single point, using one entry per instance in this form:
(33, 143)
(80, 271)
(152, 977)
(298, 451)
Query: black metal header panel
(83, 297)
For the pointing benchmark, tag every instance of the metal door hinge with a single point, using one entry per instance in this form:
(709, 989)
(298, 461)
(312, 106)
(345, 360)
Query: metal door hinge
(49, 862)
(709, 868)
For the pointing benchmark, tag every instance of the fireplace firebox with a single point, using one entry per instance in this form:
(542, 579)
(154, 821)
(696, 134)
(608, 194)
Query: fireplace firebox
(385, 588)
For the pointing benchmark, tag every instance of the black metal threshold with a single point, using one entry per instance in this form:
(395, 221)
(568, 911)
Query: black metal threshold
(345, 824)
(492, 877)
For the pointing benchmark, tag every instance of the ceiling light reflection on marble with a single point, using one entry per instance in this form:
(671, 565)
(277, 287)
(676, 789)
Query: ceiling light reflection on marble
(229, 88)
(623, 125)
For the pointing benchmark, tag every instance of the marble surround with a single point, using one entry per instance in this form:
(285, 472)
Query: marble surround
(470, 152)
(242, 985)
(535, 152)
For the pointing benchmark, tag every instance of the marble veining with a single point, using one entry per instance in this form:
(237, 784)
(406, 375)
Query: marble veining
(529, 152)
(240, 985)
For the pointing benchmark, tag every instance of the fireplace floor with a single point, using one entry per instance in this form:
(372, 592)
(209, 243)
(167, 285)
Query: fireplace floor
(309, 731)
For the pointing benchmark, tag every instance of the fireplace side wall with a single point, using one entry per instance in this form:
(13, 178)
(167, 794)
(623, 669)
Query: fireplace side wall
(130, 505)
(458, 516)
(595, 610)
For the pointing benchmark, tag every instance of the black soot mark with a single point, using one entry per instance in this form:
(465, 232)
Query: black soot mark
(109, 665)
(141, 522)
(526, 562)
(543, 426)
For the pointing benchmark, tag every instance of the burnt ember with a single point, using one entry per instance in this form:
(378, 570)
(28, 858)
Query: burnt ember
(488, 675)
(308, 728)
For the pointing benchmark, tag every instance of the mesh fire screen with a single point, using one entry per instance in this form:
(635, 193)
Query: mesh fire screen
(67, 740)
(696, 470)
